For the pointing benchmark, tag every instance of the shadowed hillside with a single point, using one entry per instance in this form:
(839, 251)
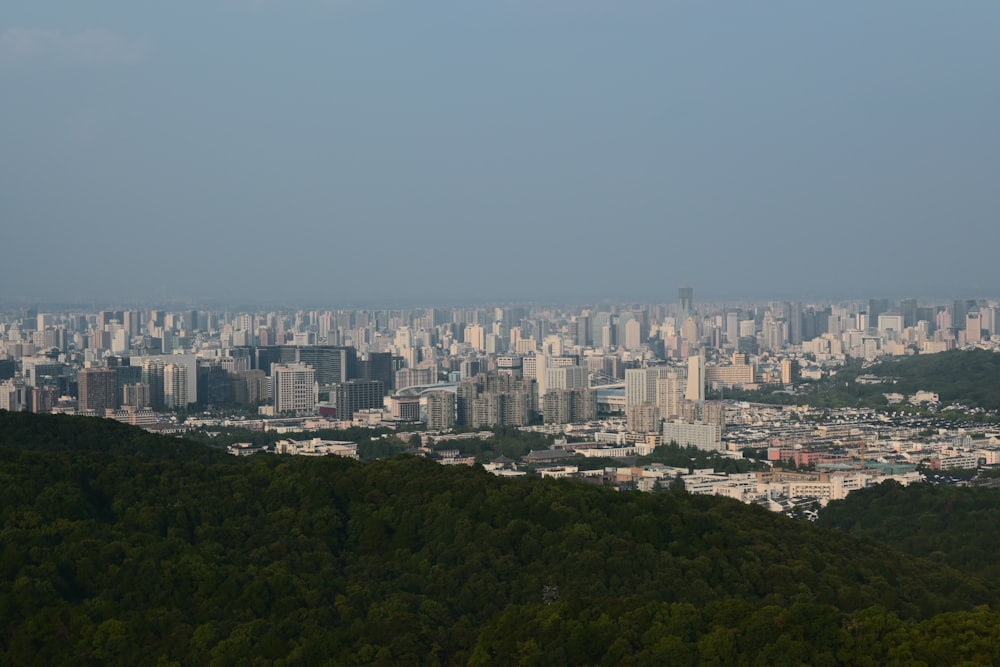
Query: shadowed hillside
(120, 547)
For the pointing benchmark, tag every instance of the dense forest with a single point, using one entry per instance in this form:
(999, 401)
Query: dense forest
(121, 547)
(947, 524)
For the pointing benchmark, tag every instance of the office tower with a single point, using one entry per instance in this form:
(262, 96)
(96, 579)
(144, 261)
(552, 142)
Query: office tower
(685, 297)
(566, 377)
(413, 377)
(795, 323)
(641, 384)
(583, 331)
(440, 410)
(988, 320)
(876, 307)
(908, 309)
(475, 335)
(355, 395)
(959, 309)
(633, 335)
(152, 375)
(215, 386)
(377, 366)
(511, 364)
(41, 400)
(175, 386)
(689, 330)
(250, 387)
(13, 396)
(469, 368)
(294, 388)
(732, 327)
(696, 379)
(973, 328)
(790, 373)
(98, 390)
(135, 395)
(266, 356)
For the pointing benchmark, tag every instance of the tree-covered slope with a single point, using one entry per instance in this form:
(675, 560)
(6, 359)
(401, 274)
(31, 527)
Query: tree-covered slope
(119, 547)
(971, 377)
(947, 524)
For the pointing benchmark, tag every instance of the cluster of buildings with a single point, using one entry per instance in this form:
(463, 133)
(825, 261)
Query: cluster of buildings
(510, 365)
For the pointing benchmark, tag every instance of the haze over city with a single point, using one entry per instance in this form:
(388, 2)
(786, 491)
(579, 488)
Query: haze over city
(433, 152)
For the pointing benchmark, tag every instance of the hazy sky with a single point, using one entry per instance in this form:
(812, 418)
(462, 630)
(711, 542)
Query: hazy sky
(376, 151)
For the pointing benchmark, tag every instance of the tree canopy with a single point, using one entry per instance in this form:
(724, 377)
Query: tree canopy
(121, 547)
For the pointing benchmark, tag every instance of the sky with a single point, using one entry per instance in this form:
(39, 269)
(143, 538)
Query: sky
(371, 151)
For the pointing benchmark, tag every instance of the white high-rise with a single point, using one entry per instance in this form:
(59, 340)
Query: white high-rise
(175, 386)
(294, 388)
(566, 377)
(696, 379)
(641, 384)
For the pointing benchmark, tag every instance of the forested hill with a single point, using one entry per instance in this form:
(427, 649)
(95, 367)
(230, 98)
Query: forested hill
(948, 524)
(971, 377)
(119, 547)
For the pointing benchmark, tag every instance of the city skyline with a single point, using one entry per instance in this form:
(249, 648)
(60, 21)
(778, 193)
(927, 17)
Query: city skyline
(315, 152)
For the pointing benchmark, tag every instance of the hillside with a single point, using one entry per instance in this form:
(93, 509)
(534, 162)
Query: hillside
(969, 377)
(948, 524)
(119, 547)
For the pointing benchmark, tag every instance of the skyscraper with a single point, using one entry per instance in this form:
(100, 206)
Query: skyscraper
(440, 410)
(175, 386)
(294, 388)
(696, 379)
(98, 389)
(908, 309)
(685, 296)
(355, 395)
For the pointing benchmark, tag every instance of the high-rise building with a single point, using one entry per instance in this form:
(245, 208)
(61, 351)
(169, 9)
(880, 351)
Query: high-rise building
(973, 327)
(643, 418)
(378, 366)
(249, 386)
(641, 384)
(475, 335)
(355, 395)
(98, 390)
(175, 386)
(908, 309)
(294, 388)
(568, 406)
(696, 379)
(566, 377)
(440, 410)
(412, 377)
(685, 297)
(491, 399)
(135, 395)
(790, 373)
(669, 394)
(42, 399)
(152, 376)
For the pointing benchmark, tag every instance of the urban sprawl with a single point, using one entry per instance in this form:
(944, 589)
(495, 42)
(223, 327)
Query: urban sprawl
(611, 382)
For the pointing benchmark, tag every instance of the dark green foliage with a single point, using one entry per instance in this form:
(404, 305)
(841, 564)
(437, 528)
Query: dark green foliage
(689, 457)
(947, 524)
(119, 547)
